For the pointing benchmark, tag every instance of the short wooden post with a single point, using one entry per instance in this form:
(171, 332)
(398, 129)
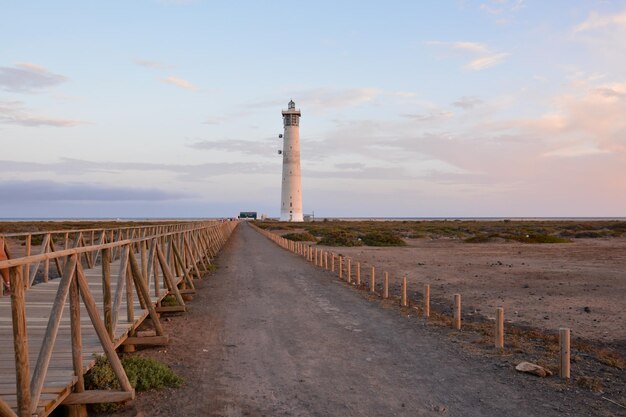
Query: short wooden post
(326, 260)
(349, 271)
(315, 261)
(373, 280)
(386, 286)
(340, 266)
(404, 301)
(564, 342)
(358, 274)
(332, 263)
(457, 311)
(500, 328)
(426, 300)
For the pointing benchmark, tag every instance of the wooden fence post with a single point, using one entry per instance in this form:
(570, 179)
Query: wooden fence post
(500, 328)
(349, 271)
(457, 311)
(340, 266)
(386, 286)
(373, 280)
(426, 300)
(404, 300)
(564, 342)
(358, 274)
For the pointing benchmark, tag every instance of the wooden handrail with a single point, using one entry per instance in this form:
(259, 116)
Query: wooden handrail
(84, 249)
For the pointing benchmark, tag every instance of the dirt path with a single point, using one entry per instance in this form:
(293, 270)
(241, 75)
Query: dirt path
(270, 335)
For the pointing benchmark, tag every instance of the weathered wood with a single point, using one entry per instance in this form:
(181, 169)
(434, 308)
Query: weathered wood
(147, 340)
(178, 259)
(143, 292)
(5, 410)
(33, 271)
(27, 266)
(107, 309)
(499, 328)
(39, 374)
(373, 280)
(99, 396)
(404, 302)
(76, 339)
(20, 341)
(101, 331)
(171, 309)
(121, 280)
(168, 277)
(426, 300)
(386, 286)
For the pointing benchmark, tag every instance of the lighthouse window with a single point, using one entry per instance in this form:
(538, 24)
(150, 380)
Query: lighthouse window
(290, 204)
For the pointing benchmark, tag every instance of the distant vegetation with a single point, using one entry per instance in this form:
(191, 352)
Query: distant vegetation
(394, 233)
(300, 237)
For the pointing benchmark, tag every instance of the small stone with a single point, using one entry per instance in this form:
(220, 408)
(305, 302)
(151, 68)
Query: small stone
(546, 317)
(587, 310)
(440, 409)
(534, 369)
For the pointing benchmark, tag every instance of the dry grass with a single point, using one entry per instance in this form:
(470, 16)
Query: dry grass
(591, 383)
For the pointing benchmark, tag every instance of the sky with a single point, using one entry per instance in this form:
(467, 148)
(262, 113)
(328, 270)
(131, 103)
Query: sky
(148, 108)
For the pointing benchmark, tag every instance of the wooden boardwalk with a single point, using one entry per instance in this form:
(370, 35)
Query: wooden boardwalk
(119, 310)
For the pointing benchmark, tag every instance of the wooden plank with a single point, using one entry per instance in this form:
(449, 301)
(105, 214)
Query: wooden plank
(98, 396)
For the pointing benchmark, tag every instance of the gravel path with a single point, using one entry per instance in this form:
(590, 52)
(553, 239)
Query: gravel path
(270, 335)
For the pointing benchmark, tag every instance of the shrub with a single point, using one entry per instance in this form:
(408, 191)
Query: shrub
(300, 237)
(539, 238)
(169, 301)
(382, 239)
(144, 374)
(340, 238)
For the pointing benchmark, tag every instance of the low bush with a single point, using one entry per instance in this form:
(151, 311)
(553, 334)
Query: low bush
(382, 239)
(300, 237)
(539, 238)
(144, 374)
(340, 238)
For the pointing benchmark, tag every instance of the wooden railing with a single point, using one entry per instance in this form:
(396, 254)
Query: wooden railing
(54, 240)
(165, 255)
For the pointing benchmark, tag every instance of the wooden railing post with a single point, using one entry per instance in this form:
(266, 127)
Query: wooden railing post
(107, 307)
(20, 342)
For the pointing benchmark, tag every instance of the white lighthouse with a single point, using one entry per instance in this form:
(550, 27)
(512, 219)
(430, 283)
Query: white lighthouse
(291, 196)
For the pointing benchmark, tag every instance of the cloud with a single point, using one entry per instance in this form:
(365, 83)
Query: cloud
(73, 191)
(179, 82)
(27, 78)
(152, 64)
(435, 115)
(13, 112)
(486, 61)
(474, 47)
(597, 21)
(183, 172)
(467, 103)
(484, 56)
(257, 147)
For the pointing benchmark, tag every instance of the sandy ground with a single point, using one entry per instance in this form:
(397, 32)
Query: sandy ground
(271, 335)
(543, 285)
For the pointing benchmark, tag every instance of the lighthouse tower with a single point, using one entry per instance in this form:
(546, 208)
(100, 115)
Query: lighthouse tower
(291, 196)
